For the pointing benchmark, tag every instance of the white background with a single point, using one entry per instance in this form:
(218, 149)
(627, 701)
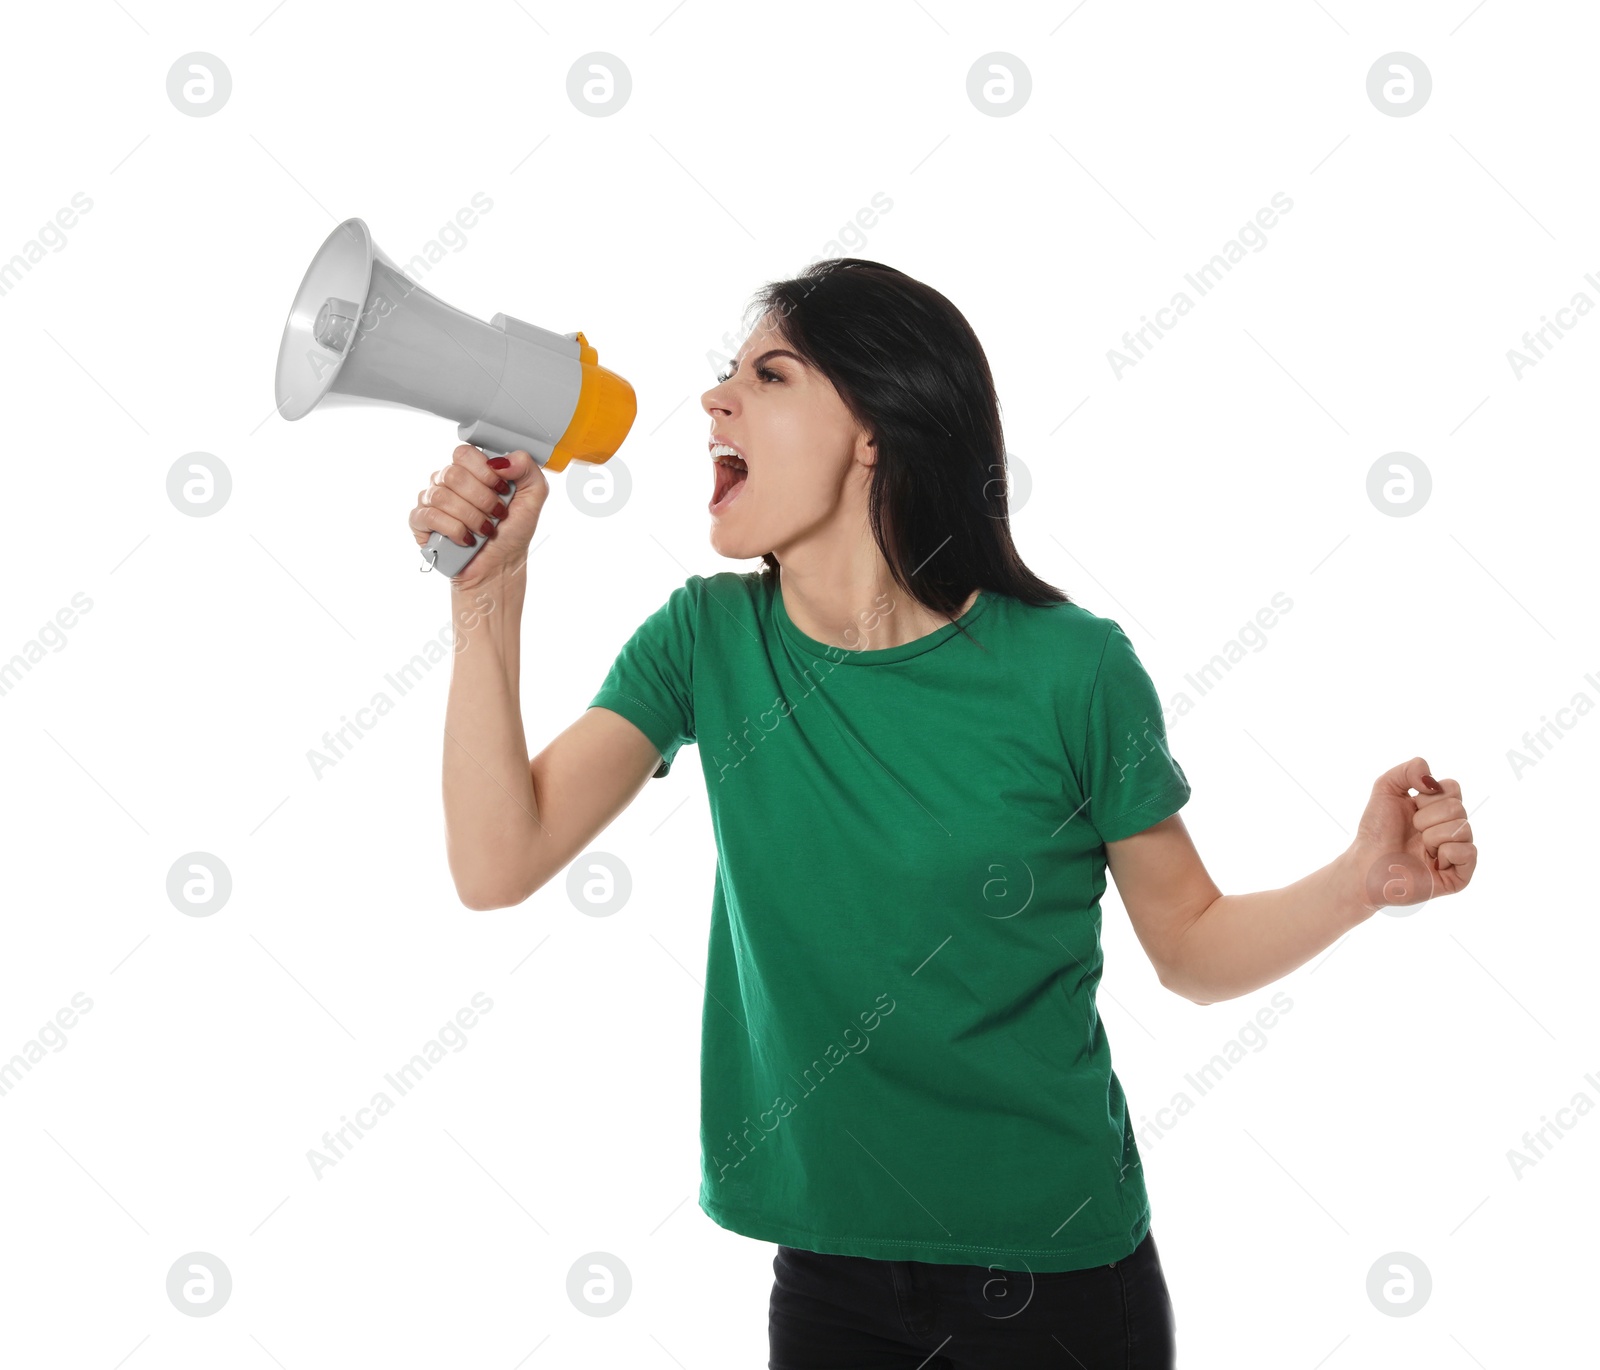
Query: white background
(1229, 464)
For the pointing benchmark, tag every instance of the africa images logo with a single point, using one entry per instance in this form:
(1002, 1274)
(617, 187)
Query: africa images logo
(813, 1076)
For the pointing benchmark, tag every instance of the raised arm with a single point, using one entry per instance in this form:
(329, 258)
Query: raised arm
(512, 823)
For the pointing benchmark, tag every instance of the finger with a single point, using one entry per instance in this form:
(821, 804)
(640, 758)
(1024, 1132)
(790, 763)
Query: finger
(1462, 856)
(1442, 808)
(496, 472)
(521, 468)
(460, 481)
(459, 506)
(1436, 838)
(446, 512)
(1434, 809)
(425, 521)
(1402, 779)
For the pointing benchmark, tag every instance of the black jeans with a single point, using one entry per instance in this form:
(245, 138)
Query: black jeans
(854, 1313)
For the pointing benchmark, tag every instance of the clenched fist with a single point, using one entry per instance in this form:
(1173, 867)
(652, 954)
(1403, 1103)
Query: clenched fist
(471, 492)
(1414, 847)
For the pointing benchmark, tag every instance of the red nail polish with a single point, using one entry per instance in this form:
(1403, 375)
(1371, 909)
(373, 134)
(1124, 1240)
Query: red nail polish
(1433, 785)
(500, 464)
(502, 487)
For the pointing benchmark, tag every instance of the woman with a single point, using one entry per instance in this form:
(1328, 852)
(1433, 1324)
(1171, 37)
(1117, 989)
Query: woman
(921, 761)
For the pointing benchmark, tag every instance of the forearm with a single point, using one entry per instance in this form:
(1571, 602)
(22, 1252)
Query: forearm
(1244, 941)
(491, 812)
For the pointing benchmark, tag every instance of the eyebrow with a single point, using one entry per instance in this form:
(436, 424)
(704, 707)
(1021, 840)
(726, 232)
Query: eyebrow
(774, 352)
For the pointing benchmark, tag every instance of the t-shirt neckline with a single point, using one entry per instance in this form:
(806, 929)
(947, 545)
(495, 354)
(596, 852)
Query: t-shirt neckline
(878, 656)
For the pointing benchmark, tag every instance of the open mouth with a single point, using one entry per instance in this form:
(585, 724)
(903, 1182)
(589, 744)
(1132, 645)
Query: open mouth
(731, 475)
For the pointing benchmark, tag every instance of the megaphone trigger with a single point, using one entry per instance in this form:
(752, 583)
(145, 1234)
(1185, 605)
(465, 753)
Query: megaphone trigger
(361, 331)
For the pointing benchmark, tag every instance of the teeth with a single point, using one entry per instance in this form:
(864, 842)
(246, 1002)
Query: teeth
(725, 455)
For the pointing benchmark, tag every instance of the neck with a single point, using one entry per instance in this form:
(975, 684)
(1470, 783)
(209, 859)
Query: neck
(856, 605)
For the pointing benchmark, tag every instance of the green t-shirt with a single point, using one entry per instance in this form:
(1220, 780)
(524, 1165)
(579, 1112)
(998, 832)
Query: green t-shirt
(901, 1056)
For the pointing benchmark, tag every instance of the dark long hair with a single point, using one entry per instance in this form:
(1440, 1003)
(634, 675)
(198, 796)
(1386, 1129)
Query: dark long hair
(911, 371)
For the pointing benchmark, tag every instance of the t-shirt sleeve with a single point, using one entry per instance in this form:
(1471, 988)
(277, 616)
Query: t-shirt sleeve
(651, 682)
(1132, 781)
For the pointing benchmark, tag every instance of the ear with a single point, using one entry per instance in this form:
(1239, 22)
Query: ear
(866, 449)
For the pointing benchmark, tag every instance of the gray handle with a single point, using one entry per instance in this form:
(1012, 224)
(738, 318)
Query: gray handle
(449, 556)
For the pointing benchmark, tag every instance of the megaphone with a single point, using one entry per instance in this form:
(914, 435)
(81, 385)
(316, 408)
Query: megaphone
(361, 331)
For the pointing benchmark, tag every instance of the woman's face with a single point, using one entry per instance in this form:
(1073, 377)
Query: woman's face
(808, 461)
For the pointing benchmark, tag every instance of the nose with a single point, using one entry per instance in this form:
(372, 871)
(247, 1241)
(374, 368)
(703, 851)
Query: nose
(716, 402)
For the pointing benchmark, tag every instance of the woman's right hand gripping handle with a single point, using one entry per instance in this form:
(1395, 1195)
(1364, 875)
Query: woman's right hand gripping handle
(470, 492)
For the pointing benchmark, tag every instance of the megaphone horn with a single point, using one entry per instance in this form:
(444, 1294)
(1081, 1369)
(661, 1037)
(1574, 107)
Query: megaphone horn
(361, 331)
